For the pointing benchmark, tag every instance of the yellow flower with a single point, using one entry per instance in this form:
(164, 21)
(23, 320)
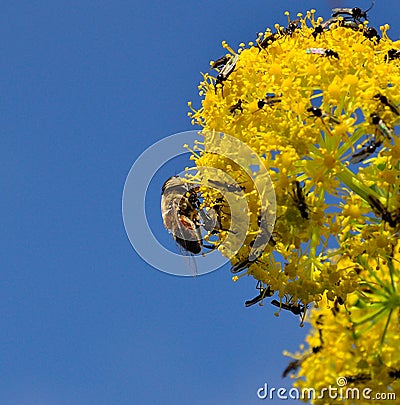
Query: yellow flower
(319, 110)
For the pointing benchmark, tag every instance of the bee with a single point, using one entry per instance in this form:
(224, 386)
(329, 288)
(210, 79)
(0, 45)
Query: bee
(299, 199)
(381, 126)
(392, 55)
(289, 30)
(269, 100)
(180, 211)
(384, 100)
(318, 113)
(318, 30)
(225, 72)
(264, 292)
(356, 13)
(368, 150)
(324, 52)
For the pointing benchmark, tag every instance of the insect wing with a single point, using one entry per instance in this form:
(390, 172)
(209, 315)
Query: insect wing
(336, 11)
(229, 67)
(316, 51)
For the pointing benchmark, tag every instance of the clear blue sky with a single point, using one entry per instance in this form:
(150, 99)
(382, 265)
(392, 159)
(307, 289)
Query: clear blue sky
(86, 86)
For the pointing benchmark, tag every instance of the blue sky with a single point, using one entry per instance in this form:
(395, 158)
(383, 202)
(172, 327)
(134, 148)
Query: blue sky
(86, 87)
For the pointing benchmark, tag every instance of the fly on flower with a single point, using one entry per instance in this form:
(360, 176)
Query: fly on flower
(299, 199)
(225, 72)
(391, 218)
(384, 100)
(294, 308)
(381, 126)
(372, 145)
(269, 100)
(355, 13)
(392, 55)
(318, 113)
(263, 293)
(329, 53)
(236, 107)
(231, 188)
(222, 61)
(371, 33)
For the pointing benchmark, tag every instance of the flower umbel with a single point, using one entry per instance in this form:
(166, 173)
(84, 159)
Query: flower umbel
(317, 101)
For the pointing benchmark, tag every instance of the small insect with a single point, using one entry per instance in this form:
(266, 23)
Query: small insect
(318, 30)
(225, 72)
(289, 30)
(295, 364)
(318, 113)
(299, 199)
(264, 292)
(368, 150)
(292, 27)
(384, 100)
(324, 52)
(236, 107)
(269, 100)
(296, 309)
(381, 126)
(180, 212)
(268, 40)
(222, 61)
(356, 13)
(371, 33)
(240, 266)
(390, 218)
(358, 378)
(262, 239)
(230, 187)
(395, 374)
(392, 55)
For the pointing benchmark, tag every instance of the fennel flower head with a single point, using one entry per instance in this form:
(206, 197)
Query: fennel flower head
(316, 101)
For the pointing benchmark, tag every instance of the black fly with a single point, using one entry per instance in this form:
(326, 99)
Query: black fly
(222, 61)
(381, 126)
(368, 150)
(299, 199)
(296, 309)
(225, 72)
(392, 55)
(356, 13)
(269, 100)
(318, 113)
(264, 292)
(384, 100)
(371, 33)
(237, 106)
(390, 218)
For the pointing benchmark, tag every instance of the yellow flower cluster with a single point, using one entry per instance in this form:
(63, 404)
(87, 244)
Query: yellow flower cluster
(317, 103)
